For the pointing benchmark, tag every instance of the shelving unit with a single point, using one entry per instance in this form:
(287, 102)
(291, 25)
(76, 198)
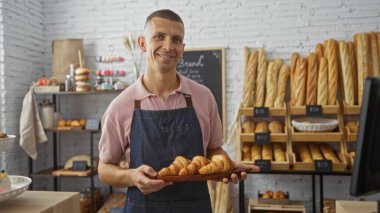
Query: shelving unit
(50, 172)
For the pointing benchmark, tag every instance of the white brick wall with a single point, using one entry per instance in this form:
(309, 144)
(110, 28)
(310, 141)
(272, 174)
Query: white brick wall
(281, 27)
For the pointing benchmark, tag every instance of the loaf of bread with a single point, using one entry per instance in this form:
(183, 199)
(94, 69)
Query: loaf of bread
(362, 46)
(272, 82)
(281, 89)
(261, 78)
(312, 80)
(193, 168)
(256, 152)
(246, 152)
(250, 80)
(301, 72)
(348, 84)
(267, 152)
(322, 82)
(248, 126)
(304, 153)
(352, 60)
(276, 127)
(328, 153)
(374, 54)
(353, 126)
(279, 153)
(332, 60)
(219, 164)
(319, 51)
(293, 65)
(173, 169)
(262, 127)
(315, 152)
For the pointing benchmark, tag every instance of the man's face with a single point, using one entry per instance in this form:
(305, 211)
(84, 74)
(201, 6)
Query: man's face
(163, 43)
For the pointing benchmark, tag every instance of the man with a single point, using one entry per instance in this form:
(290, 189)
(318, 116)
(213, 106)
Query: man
(161, 116)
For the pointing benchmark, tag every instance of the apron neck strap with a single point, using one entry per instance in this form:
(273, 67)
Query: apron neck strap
(189, 102)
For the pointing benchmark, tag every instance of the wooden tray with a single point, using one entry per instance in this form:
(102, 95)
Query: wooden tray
(248, 111)
(326, 110)
(69, 172)
(189, 178)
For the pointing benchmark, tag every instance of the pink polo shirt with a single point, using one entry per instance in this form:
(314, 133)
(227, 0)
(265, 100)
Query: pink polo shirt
(117, 120)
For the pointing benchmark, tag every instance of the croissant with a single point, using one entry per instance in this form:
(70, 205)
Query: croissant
(219, 164)
(174, 168)
(193, 168)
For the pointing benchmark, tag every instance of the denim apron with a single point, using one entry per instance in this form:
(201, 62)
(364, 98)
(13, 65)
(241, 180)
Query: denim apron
(157, 137)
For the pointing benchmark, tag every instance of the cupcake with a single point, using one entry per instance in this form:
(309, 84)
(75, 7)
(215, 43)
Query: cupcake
(5, 183)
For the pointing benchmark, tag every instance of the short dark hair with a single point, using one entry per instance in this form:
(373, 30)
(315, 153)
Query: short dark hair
(166, 14)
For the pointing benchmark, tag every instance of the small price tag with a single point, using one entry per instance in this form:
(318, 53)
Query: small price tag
(265, 165)
(262, 138)
(80, 165)
(313, 110)
(323, 165)
(261, 112)
(92, 124)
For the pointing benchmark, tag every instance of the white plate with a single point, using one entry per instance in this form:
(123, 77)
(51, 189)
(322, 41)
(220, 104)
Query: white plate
(19, 184)
(6, 142)
(314, 124)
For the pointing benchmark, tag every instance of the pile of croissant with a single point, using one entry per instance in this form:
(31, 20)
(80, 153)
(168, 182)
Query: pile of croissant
(198, 165)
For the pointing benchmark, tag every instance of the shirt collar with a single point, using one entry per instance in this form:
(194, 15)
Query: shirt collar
(140, 92)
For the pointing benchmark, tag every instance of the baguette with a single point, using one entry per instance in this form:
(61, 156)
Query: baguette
(328, 153)
(279, 153)
(352, 61)
(261, 78)
(293, 64)
(374, 54)
(281, 89)
(267, 152)
(322, 82)
(272, 82)
(312, 80)
(246, 152)
(301, 71)
(304, 153)
(332, 60)
(250, 80)
(315, 152)
(256, 152)
(319, 51)
(348, 87)
(363, 60)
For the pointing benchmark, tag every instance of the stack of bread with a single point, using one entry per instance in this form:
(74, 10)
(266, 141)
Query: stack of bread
(82, 79)
(311, 152)
(264, 80)
(198, 165)
(273, 152)
(274, 126)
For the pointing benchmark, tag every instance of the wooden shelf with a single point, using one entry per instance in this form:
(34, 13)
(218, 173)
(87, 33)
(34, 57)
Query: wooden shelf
(326, 110)
(248, 111)
(54, 129)
(49, 173)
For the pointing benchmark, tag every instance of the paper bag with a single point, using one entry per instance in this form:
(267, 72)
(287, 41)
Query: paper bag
(64, 53)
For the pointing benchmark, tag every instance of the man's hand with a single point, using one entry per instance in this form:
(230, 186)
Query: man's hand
(243, 168)
(143, 179)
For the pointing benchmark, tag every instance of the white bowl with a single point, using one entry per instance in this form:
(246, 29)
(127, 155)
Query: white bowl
(19, 184)
(314, 124)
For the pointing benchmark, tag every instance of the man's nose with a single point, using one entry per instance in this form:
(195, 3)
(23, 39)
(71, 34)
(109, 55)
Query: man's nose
(168, 44)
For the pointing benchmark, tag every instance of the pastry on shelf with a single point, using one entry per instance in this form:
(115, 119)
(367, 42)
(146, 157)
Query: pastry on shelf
(5, 183)
(276, 127)
(248, 126)
(353, 126)
(3, 135)
(262, 127)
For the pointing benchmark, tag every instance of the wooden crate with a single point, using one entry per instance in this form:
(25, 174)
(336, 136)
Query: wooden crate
(317, 136)
(326, 110)
(294, 206)
(351, 110)
(350, 136)
(248, 111)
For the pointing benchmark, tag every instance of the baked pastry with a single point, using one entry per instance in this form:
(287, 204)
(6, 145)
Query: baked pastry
(262, 127)
(260, 81)
(279, 195)
(304, 153)
(248, 126)
(281, 89)
(322, 82)
(174, 168)
(279, 153)
(276, 127)
(193, 168)
(348, 87)
(267, 152)
(332, 60)
(363, 58)
(5, 183)
(300, 81)
(374, 54)
(293, 64)
(272, 82)
(219, 164)
(250, 80)
(353, 126)
(352, 60)
(3, 135)
(315, 152)
(256, 152)
(312, 80)
(319, 51)
(328, 153)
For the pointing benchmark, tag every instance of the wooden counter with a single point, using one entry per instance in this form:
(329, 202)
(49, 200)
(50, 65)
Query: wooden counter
(42, 201)
(350, 206)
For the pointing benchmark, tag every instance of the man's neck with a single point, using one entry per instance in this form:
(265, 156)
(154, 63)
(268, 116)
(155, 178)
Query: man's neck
(161, 84)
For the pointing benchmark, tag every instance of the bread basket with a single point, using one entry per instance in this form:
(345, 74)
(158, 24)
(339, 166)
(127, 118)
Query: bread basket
(314, 124)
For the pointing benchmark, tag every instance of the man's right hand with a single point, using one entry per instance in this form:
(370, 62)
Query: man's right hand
(143, 179)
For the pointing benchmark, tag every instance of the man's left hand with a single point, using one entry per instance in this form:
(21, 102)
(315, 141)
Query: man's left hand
(243, 169)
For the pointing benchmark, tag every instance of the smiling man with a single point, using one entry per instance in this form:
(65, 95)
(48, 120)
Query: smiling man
(161, 116)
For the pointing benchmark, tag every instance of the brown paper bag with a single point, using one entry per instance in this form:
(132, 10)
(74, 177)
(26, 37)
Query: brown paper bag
(64, 53)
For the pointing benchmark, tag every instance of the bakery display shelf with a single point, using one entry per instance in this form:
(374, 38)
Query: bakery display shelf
(350, 136)
(294, 207)
(274, 137)
(50, 173)
(248, 111)
(326, 110)
(55, 129)
(337, 135)
(351, 110)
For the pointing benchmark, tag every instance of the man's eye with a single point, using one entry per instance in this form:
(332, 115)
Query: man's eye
(159, 36)
(178, 40)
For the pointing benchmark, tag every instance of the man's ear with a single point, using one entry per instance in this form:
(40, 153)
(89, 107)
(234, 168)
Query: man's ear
(141, 42)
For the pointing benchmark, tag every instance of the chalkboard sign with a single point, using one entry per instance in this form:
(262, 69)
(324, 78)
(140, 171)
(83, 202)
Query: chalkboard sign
(207, 67)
